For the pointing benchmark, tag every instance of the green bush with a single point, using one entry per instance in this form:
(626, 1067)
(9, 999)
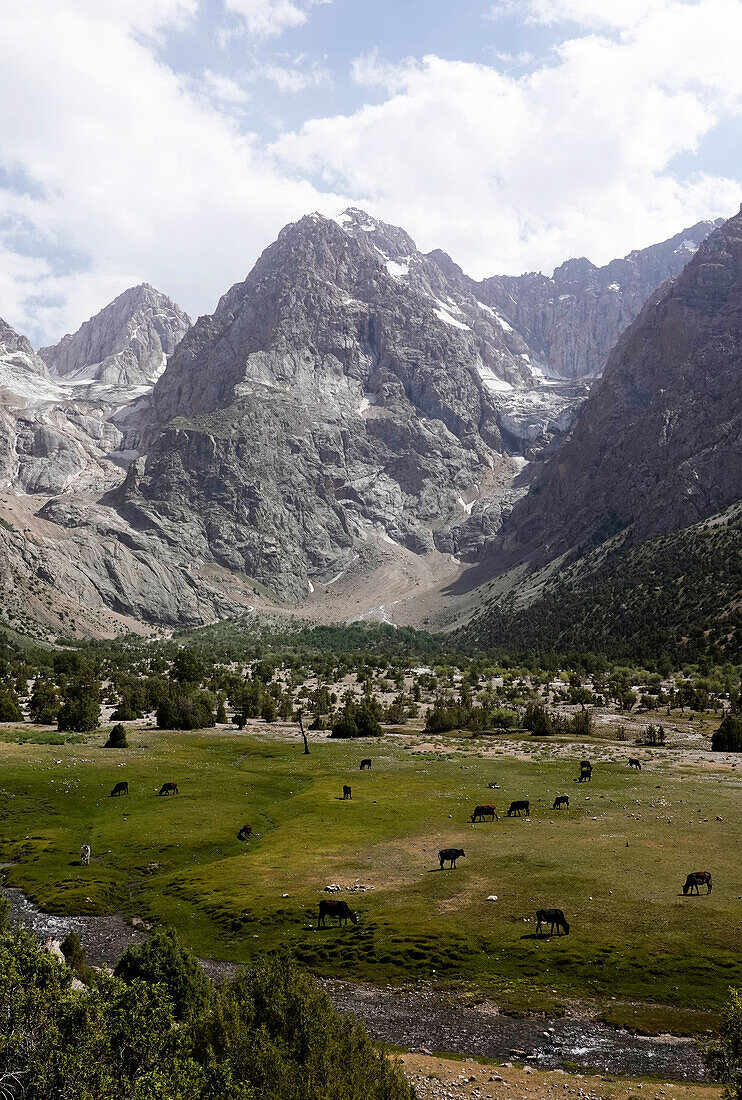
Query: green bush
(723, 1055)
(164, 959)
(10, 708)
(80, 710)
(728, 737)
(184, 710)
(44, 704)
(268, 1033)
(117, 738)
(356, 720)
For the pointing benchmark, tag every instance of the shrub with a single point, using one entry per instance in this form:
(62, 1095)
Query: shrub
(44, 704)
(356, 720)
(164, 959)
(80, 710)
(723, 1055)
(728, 737)
(10, 708)
(186, 711)
(117, 738)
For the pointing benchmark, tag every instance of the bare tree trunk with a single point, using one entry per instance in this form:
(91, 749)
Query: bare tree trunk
(301, 727)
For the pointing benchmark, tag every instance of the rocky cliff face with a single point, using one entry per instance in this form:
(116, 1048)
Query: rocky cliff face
(126, 344)
(573, 319)
(347, 390)
(351, 401)
(659, 443)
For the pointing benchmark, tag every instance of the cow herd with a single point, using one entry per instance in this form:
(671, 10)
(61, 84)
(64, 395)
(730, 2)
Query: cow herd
(340, 910)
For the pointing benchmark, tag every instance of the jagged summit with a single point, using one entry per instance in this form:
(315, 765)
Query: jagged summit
(23, 374)
(573, 319)
(125, 344)
(659, 443)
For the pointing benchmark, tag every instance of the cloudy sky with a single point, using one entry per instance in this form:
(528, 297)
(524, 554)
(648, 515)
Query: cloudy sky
(169, 140)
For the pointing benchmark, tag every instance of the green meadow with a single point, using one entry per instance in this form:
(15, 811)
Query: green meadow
(639, 952)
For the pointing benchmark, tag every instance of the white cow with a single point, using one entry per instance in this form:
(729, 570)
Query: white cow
(85, 855)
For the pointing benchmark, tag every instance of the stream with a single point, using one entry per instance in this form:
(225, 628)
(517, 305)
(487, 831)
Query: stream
(424, 1019)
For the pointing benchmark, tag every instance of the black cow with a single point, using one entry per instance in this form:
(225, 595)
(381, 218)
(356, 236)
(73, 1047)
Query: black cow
(244, 832)
(561, 800)
(347, 793)
(480, 812)
(450, 854)
(120, 788)
(517, 807)
(333, 907)
(586, 771)
(168, 788)
(554, 917)
(634, 762)
(365, 763)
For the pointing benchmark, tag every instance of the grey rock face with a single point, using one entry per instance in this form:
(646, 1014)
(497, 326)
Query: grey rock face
(23, 374)
(659, 443)
(350, 392)
(346, 389)
(126, 344)
(573, 319)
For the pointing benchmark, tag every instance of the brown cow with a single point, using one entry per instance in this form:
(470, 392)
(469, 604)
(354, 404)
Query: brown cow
(634, 762)
(168, 788)
(244, 832)
(333, 907)
(696, 879)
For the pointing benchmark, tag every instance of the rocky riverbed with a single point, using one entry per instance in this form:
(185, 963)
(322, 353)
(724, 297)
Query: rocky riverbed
(424, 1019)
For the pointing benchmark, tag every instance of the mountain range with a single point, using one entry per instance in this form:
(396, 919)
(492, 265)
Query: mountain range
(355, 422)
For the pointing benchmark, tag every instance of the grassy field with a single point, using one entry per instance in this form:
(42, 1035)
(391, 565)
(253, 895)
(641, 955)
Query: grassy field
(639, 951)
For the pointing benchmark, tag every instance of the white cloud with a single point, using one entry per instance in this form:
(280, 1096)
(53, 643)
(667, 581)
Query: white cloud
(130, 171)
(223, 88)
(124, 172)
(587, 13)
(515, 172)
(267, 18)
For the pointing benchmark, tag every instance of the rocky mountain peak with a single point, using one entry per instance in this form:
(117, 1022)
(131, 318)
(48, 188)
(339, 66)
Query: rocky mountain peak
(125, 344)
(573, 319)
(658, 445)
(22, 373)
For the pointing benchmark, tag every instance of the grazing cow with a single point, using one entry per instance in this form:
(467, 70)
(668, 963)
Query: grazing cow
(480, 812)
(524, 806)
(561, 800)
(634, 762)
(586, 771)
(120, 788)
(450, 854)
(696, 879)
(333, 907)
(554, 917)
(244, 832)
(347, 792)
(168, 788)
(365, 763)
(85, 855)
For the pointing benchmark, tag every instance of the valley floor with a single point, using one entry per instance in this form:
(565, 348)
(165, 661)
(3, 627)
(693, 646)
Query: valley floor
(640, 954)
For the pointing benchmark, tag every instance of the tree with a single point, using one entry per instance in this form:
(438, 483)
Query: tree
(10, 708)
(728, 737)
(356, 720)
(117, 738)
(80, 710)
(188, 666)
(163, 959)
(44, 704)
(723, 1055)
(186, 710)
